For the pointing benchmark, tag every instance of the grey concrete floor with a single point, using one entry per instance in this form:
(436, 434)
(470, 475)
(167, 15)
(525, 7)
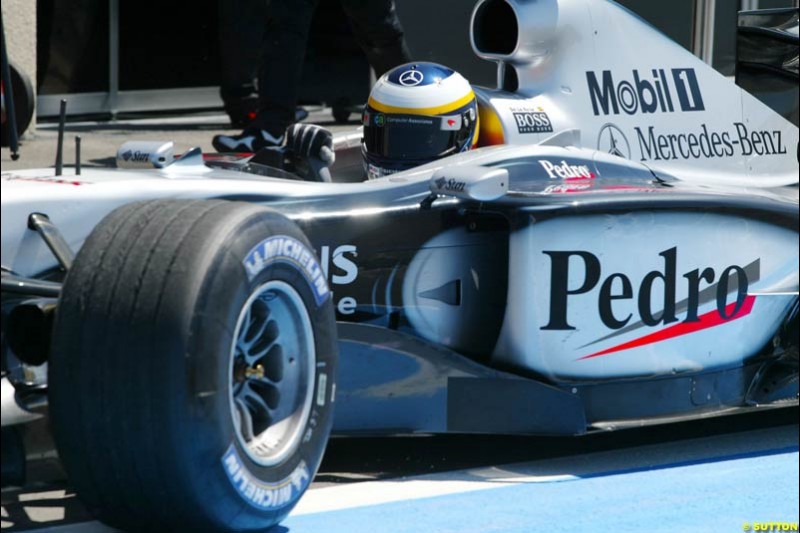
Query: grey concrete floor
(49, 505)
(100, 139)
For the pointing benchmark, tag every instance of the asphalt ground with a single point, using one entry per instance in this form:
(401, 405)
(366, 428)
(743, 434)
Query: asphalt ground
(101, 138)
(707, 475)
(697, 475)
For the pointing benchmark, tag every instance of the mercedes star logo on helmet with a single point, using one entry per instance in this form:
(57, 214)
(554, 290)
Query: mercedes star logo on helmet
(611, 140)
(411, 78)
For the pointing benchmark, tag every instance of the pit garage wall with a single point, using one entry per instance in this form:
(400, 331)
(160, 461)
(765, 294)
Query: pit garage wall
(117, 69)
(19, 21)
(444, 37)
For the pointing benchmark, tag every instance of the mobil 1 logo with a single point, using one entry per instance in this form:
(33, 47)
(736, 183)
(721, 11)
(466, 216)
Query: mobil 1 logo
(530, 121)
(659, 91)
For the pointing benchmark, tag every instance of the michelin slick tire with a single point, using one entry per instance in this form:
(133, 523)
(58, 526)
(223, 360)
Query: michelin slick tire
(170, 310)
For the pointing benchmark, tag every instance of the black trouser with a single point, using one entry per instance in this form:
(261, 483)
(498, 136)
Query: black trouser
(241, 32)
(375, 26)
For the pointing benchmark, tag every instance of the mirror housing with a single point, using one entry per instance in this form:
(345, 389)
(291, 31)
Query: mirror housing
(480, 184)
(145, 154)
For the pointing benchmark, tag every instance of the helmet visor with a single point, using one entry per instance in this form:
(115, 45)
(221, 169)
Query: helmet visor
(411, 137)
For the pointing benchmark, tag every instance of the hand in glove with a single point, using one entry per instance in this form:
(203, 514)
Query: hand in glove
(311, 141)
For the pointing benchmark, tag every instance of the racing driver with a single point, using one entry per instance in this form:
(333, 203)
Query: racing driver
(416, 113)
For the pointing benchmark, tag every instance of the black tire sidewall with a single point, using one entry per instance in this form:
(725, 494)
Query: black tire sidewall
(221, 297)
(140, 376)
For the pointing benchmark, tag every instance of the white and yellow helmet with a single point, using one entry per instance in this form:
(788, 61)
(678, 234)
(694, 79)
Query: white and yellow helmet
(417, 113)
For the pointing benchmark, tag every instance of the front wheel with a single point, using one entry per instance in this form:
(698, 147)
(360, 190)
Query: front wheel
(193, 368)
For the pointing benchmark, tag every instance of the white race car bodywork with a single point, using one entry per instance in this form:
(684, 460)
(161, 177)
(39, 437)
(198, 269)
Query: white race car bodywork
(595, 67)
(621, 250)
(595, 86)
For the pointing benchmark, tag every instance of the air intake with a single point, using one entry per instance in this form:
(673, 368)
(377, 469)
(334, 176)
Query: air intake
(494, 29)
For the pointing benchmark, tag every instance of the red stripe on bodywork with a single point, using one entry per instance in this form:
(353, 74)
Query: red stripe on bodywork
(706, 321)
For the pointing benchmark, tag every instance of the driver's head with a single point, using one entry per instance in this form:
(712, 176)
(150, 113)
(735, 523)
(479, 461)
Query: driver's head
(417, 113)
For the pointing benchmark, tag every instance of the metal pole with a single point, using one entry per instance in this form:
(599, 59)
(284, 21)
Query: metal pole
(53, 238)
(60, 147)
(750, 5)
(113, 57)
(77, 155)
(703, 30)
(8, 94)
(501, 74)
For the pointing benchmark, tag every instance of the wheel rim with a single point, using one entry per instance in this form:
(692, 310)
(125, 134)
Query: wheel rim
(272, 373)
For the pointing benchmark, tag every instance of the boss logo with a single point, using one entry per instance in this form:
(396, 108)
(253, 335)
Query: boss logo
(533, 122)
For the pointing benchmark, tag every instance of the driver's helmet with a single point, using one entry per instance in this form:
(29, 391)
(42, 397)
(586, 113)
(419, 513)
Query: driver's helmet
(417, 113)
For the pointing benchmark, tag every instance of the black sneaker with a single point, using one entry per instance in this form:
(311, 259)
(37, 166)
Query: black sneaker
(300, 114)
(250, 140)
(242, 110)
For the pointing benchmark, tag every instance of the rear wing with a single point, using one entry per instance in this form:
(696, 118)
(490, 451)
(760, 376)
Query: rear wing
(767, 58)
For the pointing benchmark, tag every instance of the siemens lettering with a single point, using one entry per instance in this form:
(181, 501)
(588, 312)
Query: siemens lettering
(709, 144)
(342, 258)
(646, 96)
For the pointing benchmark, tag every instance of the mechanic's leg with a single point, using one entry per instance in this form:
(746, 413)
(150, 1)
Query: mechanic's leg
(283, 55)
(241, 32)
(379, 33)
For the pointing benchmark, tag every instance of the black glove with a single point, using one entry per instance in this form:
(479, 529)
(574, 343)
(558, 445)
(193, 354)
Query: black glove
(309, 141)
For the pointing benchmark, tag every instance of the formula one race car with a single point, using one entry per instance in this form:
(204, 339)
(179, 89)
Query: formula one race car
(624, 251)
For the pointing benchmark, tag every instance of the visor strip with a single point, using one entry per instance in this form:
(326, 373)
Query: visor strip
(440, 110)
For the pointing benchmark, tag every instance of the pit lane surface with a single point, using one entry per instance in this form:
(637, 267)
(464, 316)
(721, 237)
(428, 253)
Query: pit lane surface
(707, 475)
(101, 139)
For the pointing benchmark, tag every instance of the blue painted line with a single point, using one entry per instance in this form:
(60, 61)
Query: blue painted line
(708, 460)
(720, 495)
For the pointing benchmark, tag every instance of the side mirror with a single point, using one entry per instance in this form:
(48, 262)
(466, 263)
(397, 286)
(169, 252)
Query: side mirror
(481, 184)
(145, 154)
